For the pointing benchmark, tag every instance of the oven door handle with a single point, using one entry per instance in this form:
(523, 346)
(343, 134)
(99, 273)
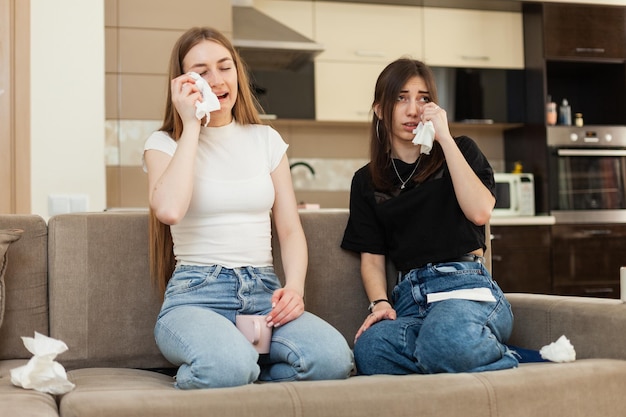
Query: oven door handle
(591, 152)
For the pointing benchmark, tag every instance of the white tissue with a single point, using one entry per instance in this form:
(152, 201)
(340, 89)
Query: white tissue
(42, 373)
(209, 101)
(559, 351)
(424, 135)
(473, 294)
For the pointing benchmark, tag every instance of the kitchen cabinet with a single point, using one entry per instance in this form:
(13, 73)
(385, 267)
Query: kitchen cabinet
(521, 258)
(353, 32)
(577, 52)
(344, 91)
(584, 31)
(587, 259)
(359, 41)
(473, 38)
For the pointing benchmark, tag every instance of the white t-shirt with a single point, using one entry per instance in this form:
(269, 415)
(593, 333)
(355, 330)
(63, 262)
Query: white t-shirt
(228, 220)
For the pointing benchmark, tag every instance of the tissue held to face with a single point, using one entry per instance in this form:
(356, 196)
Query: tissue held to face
(215, 64)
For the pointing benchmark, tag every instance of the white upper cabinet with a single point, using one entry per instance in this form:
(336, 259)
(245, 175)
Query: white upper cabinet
(344, 91)
(473, 38)
(357, 32)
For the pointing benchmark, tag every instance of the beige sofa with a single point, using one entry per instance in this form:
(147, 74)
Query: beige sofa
(83, 279)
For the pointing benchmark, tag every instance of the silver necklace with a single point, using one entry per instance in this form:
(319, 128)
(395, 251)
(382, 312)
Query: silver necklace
(403, 182)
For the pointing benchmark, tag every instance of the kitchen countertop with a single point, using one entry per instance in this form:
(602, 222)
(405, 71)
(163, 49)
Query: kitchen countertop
(522, 220)
(538, 220)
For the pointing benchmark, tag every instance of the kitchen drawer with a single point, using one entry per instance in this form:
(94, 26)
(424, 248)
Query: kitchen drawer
(513, 237)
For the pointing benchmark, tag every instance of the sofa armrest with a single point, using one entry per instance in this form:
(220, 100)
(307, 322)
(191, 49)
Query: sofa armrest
(595, 326)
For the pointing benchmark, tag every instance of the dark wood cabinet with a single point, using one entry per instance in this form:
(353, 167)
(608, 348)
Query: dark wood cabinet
(584, 31)
(576, 52)
(587, 259)
(521, 257)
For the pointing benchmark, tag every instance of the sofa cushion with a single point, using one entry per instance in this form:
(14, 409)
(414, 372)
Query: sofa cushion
(7, 236)
(19, 402)
(583, 388)
(26, 288)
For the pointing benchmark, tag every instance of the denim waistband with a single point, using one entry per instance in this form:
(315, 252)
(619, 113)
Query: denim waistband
(468, 257)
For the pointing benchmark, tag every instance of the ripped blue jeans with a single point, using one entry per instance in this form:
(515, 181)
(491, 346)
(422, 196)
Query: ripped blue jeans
(453, 335)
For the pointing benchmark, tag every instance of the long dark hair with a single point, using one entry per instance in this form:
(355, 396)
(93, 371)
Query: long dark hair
(245, 111)
(388, 86)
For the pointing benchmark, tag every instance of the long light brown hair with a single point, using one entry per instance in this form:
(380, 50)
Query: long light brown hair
(388, 86)
(245, 111)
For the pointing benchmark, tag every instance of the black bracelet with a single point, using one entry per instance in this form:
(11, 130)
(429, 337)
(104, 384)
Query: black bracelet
(373, 303)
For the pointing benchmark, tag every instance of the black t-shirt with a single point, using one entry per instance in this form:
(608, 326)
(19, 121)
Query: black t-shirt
(420, 224)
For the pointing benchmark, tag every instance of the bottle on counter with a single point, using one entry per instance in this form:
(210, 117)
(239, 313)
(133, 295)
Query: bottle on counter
(565, 113)
(551, 115)
(579, 120)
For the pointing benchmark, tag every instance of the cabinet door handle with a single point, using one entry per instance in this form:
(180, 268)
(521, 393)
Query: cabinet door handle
(369, 53)
(474, 57)
(496, 258)
(590, 50)
(596, 232)
(598, 290)
(495, 237)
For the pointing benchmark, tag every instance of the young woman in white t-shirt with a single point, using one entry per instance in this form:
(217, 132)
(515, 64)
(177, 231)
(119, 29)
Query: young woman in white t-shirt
(211, 191)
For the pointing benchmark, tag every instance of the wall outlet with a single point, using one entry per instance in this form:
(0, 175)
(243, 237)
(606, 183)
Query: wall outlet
(67, 203)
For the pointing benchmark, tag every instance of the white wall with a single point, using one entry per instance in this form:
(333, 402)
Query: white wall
(67, 102)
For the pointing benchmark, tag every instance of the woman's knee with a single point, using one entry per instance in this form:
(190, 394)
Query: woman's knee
(213, 371)
(313, 350)
(372, 349)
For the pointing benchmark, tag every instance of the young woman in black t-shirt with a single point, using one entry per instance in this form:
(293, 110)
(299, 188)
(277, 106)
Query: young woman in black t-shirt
(426, 212)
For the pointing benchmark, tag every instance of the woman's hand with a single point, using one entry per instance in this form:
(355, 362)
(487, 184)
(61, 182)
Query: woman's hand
(383, 312)
(432, 112)
(287, 305)
(184, 96)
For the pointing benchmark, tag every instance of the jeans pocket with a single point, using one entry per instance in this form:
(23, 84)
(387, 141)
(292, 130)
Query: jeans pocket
(188, 279)
(267, 279)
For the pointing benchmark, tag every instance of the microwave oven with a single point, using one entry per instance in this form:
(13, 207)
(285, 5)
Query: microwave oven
(515, 194)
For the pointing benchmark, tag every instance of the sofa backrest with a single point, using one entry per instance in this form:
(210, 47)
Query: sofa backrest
(26, 285)
(102, 303)
(99, 300)
(333, 288)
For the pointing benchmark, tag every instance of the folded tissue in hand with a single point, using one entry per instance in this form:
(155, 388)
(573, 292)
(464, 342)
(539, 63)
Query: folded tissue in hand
(42, 373)
(424, 135)
(559, 351)
(209, 101)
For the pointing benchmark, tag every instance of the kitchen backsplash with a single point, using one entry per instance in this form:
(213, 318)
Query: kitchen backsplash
(323, 156)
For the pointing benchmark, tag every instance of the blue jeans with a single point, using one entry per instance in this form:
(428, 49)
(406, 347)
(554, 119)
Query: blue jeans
(195, 331)
(453, 335)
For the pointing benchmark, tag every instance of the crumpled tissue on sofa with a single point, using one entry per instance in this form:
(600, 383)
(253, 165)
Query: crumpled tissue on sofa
(559, 351)
(42, 372)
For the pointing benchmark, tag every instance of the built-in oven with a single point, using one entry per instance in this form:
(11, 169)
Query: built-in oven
(587, 174)
(587, 196)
